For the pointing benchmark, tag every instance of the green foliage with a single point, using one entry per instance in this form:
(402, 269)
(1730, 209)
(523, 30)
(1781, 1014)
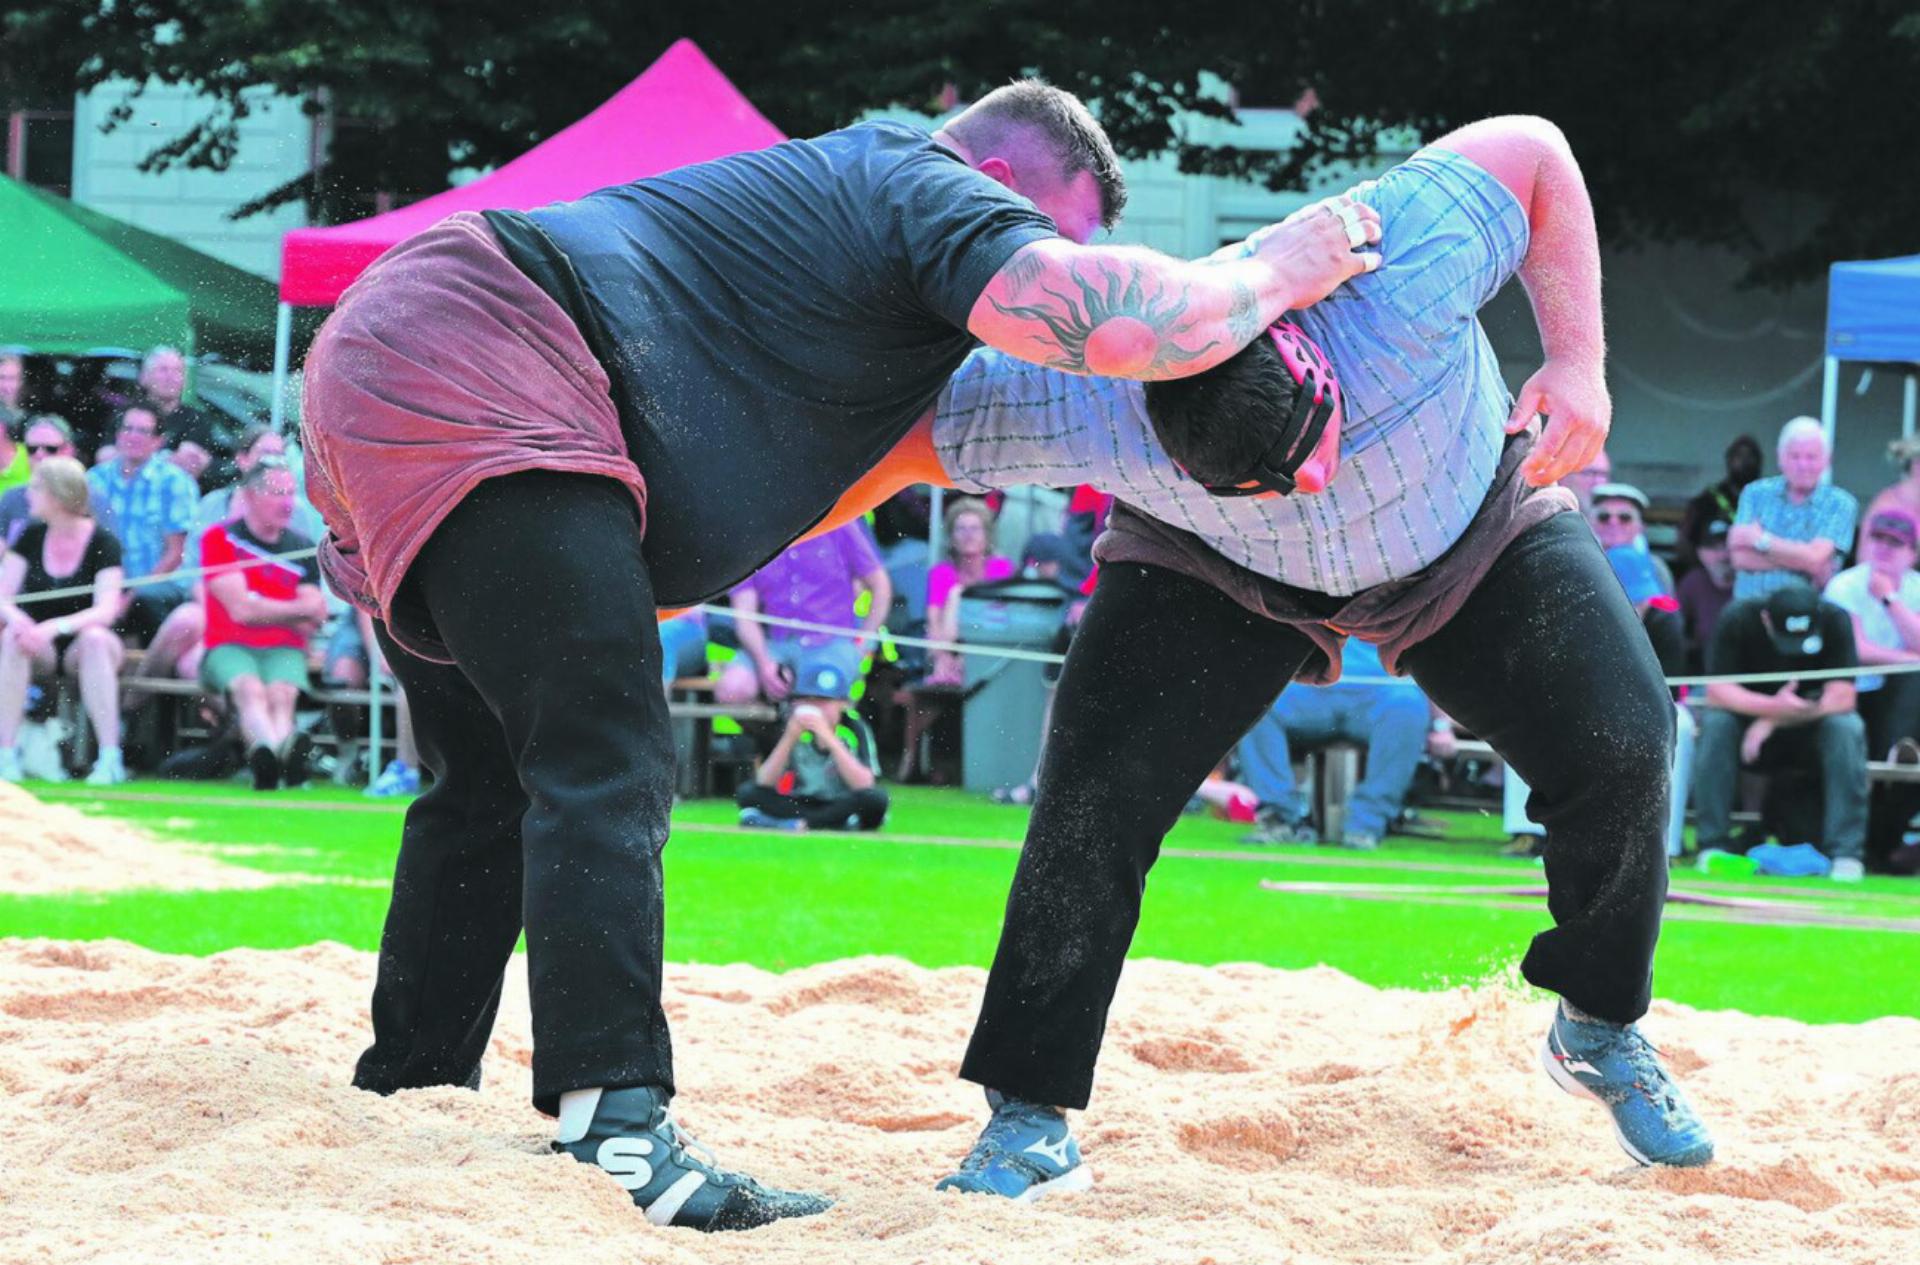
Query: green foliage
(1786, 131)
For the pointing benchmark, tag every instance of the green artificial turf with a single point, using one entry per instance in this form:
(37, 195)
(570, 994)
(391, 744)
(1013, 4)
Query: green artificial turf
(932, 886)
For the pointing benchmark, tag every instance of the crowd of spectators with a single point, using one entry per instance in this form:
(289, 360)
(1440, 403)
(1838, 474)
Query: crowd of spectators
(162, 541)
(1755, 583)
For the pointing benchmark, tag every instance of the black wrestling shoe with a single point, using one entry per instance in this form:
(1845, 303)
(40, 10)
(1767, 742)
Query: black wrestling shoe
(266, 769)
(672, 1178)
(295, 760)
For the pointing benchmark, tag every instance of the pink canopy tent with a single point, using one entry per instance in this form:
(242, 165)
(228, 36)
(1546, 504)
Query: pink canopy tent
(680, 110)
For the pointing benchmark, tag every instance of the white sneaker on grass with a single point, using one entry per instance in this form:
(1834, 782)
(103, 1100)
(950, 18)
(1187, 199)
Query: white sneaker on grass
(109, 770)
(1848, 870)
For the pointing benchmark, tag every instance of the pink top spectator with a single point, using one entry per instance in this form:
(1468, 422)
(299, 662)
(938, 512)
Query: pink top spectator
(942, 579)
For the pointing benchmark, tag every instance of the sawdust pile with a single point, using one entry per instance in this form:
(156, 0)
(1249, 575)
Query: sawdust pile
(52, 848)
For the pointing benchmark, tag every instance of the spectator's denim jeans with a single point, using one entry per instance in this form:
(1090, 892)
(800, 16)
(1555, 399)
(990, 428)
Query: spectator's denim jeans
(553, 766)
(1390, 719)
(683, 648)
(1838, 744)
(1546, 661)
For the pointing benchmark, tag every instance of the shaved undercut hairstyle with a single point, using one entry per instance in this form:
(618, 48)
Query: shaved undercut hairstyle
(1029, 111)
(1217, 424)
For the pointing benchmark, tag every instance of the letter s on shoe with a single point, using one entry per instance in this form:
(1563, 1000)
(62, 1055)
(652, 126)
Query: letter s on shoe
(625, 1161)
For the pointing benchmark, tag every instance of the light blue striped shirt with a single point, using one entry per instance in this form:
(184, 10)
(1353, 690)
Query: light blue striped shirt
(1414, 365)
(1828, 514)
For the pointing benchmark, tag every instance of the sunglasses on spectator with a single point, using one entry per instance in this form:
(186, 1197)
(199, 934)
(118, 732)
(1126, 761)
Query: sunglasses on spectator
(1615, 516)
(127, 428)
(44, 450)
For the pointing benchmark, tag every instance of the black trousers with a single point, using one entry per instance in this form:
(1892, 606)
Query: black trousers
(1546, 661)
(870, 806)
(553, 758)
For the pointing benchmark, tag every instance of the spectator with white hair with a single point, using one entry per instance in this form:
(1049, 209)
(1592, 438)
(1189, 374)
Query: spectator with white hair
(1792, 528)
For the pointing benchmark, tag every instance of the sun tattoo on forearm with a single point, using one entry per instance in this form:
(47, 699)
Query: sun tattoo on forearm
(1112, 308)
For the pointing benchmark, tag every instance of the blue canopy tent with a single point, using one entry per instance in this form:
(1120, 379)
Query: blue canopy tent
(1873, 314)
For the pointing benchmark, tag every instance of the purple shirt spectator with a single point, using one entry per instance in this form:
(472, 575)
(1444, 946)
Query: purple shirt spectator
(815, 580)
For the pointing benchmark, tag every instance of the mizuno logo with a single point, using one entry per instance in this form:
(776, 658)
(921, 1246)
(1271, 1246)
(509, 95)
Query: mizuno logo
(1054, 1151)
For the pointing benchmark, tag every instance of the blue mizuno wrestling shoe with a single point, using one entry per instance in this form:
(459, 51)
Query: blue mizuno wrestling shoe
(1617, 1068)
(1025, 1153)
(672, 1178)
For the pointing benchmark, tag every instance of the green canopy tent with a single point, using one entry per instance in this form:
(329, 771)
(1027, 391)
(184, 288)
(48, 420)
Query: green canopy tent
(230, 310)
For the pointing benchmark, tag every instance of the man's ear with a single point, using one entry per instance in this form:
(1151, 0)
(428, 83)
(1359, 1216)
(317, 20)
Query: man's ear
(998, 171)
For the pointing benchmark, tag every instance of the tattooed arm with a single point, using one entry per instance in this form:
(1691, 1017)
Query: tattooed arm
(1125, 312)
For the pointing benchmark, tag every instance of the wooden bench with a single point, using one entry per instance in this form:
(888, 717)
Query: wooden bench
(684, 703)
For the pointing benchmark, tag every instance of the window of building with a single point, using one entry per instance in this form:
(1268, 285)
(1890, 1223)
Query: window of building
(39, 148)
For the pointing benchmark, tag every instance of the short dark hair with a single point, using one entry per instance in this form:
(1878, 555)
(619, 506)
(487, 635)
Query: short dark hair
(138, 406)
(255, 433)
(257, 473)
(1056, 115)
(1217, 424)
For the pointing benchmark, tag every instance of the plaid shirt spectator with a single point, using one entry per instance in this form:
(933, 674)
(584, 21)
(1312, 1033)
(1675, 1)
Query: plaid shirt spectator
(156, 501)
(1827, 514)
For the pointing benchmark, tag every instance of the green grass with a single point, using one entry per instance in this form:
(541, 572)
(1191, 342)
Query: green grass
(932, 888)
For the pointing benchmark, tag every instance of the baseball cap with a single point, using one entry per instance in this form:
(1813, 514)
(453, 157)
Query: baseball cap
(1621, 492)
(821, 679)
(1795, 615)
(1894, 524)
(1715, 533)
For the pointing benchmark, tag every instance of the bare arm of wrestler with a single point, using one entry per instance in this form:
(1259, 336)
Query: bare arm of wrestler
(1562, 275)
(1126, 312)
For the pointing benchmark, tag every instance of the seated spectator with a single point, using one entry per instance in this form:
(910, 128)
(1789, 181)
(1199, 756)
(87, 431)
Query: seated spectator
(1718, 503)
(47, 435)
(200, 447)
(1882, 594)
(1903, 495)
(816, 581)
(970, 560)
(14, 467)
(1703, 593)
(187, 622)
(1788, 726)
(1791, 529)
(823, 773)
(1390, 715)
(1619, 521)
(152, 503)
(346, 665)
(63, 548)
(259, 620)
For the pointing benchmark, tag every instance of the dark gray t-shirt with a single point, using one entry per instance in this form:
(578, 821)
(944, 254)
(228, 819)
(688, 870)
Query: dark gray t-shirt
(773, 323)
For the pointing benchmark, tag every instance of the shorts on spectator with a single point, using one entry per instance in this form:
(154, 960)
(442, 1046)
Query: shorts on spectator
(223, 665)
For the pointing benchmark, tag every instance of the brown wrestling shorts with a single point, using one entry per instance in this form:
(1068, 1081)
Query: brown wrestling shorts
(443, 366)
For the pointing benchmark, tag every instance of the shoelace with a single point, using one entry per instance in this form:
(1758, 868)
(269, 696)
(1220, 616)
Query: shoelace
(680, 1145)
(1650, 1078)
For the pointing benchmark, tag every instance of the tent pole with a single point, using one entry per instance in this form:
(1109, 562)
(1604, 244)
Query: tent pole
(935, 512)
(1911, 397)
(1830, 398)
(282, 352)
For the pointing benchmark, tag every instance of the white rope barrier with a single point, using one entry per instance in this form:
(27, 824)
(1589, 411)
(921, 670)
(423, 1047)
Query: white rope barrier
(961, 647)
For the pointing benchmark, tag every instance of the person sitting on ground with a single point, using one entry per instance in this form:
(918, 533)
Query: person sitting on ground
(1705, 591)
(816, 581)
(63, 548)
(1719, 502)
(153, 504)
(1389, 714)
(1882, 594)
(1792, 528)
(262, 608)
(970, 560)
(199, 445)
(47, 435)
(1798, 724)
(823, 774)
